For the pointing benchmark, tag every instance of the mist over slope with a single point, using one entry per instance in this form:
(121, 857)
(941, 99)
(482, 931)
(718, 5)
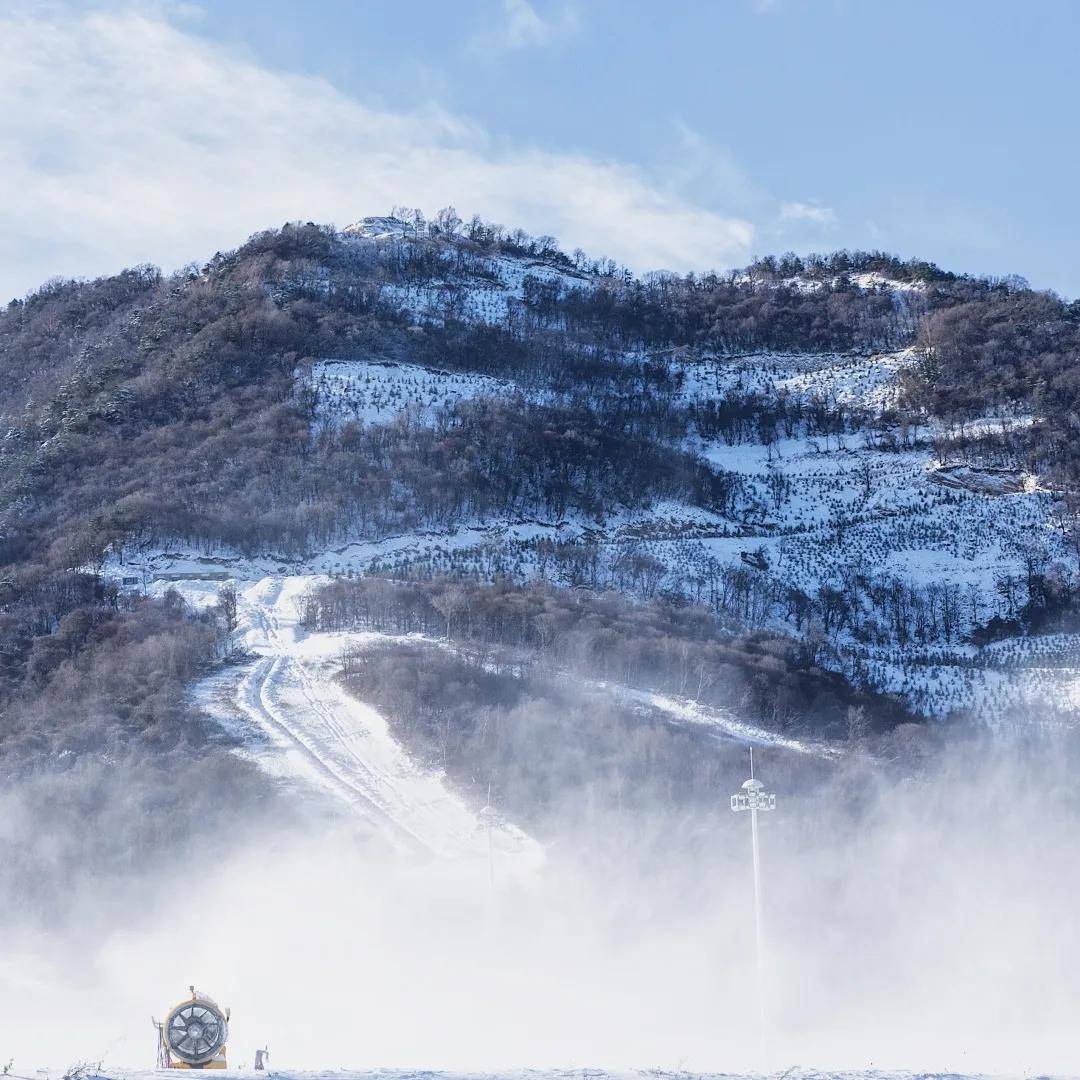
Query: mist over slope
(338, 549)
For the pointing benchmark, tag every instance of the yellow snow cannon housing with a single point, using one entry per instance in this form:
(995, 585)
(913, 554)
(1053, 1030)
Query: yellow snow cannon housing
(195, 1032)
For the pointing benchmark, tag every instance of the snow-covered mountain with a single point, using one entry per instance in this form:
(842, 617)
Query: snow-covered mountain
(419, 583)
(852, 518)
(771, 506)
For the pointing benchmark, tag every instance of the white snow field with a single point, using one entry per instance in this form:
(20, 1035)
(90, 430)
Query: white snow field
(579, 1073)
(374, 392)
(319, 735)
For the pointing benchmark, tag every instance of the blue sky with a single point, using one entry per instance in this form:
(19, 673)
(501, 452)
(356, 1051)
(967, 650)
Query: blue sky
(678, 135)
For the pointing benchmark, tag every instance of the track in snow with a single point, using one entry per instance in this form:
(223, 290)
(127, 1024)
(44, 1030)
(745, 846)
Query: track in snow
(327, 738)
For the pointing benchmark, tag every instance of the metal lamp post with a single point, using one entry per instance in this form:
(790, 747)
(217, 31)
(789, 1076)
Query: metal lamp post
(754, 797)
(486, 816)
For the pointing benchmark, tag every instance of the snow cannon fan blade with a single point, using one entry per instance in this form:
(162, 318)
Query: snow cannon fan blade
(195, 1033)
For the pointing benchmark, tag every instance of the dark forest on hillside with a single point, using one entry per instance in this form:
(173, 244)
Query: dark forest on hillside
(664, 647)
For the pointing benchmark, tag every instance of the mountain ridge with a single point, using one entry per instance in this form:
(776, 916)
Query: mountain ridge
(854, 500)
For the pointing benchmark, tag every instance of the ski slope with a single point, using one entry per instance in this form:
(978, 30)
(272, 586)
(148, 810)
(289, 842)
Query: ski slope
(320, 735)
(724, 722)
(291, 714)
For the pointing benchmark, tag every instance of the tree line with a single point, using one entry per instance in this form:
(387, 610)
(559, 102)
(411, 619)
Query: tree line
(663, 646)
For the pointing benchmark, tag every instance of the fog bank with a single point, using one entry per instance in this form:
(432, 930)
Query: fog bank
(924, 923)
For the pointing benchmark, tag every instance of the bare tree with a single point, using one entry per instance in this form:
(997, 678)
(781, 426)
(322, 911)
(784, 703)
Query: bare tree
(227, 606)
(449, 603)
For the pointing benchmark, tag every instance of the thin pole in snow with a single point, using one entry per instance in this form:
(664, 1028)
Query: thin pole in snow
(759, 947)
(753, 797)
(491, 858)
(487, 813)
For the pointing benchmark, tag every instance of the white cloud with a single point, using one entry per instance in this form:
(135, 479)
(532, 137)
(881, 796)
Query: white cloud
(124, 139)
(702, 168)
(807, 211)
(520, 26)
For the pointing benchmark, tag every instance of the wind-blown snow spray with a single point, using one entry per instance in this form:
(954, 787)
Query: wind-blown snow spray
(909, 908)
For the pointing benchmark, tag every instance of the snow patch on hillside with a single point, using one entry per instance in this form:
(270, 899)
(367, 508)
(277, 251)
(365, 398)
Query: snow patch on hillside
(375, 392)
(866, 280)
(379, 228)
(488, 297)
(868, 381)
(871, 382)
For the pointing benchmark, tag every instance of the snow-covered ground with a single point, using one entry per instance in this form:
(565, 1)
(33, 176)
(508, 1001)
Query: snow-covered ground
(823, 511)
(847, 378)
(309, 730)
(374, 392)
(476, 286)
(867, 280)
(694, 713)
(570, 1073)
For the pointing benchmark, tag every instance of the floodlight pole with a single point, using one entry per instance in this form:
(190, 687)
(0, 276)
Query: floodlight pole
(753, 797)
(491, 858)
(758, 946)
(486, 815)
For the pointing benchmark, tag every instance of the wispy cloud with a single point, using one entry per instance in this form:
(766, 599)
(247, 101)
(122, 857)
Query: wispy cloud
(125, 138)
(518, 25)
(813, 212)
(708, 171)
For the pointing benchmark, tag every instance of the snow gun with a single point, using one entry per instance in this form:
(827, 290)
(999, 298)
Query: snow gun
(193, 1034)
